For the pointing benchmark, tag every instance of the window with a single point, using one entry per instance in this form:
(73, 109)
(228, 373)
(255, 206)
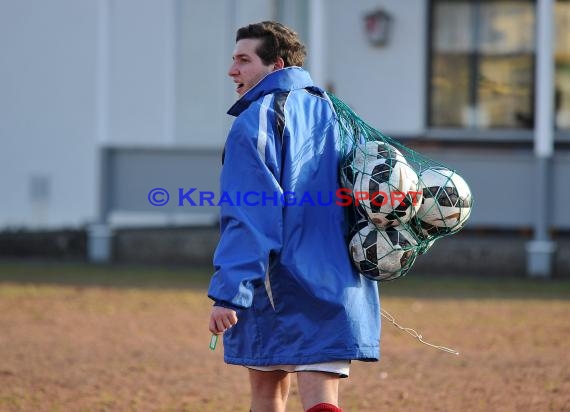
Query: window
(562, 65)
(482, 64)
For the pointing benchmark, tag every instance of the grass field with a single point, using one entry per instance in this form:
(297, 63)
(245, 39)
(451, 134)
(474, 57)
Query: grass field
(106, 338)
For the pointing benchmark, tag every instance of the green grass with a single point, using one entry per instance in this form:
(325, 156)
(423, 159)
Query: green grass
(483, 287)
(180, 277)
(119, 276)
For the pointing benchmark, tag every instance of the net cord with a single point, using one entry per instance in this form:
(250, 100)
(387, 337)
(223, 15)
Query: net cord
(415, 334)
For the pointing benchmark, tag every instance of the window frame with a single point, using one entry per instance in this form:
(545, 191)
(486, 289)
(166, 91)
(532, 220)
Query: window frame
(465, 134)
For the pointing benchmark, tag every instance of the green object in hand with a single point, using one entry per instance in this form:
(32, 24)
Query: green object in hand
(213, 341)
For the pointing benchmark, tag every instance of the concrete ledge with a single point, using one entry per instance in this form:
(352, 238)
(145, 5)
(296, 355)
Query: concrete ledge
(172, 245)
(470, 253)
(482, 254)
(67, 244)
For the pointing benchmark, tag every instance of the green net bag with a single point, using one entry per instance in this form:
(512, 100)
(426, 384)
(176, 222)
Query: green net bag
(402, 201)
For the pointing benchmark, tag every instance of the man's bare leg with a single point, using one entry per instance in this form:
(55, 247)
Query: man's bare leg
(318, 387)
(269, 390)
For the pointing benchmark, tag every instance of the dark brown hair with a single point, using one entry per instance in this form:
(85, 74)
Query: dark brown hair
(278, 40)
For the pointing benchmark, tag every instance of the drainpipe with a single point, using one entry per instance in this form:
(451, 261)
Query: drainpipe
(317, 45)
(540, 249)
(99, 233)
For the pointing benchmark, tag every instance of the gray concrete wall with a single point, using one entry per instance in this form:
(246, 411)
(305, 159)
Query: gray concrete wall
(168, 246)
(502, 182)
(61, 245)
(465, 253)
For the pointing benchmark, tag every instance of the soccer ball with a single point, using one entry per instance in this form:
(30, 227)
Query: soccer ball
(446, 203)
(424, 241)
(361, 155)
(387, 189)
(382, 254)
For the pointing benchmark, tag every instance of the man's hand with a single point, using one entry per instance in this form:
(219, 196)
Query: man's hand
(221, 319)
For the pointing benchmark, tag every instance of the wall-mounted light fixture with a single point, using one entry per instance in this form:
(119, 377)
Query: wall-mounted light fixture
(378, 25)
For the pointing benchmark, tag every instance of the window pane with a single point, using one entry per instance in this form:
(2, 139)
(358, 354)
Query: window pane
(505, 82)
(450, 90)
(482, 64)
(453, 44)
(452, 23)
(506, 27)
(504, 92)
(562, 76)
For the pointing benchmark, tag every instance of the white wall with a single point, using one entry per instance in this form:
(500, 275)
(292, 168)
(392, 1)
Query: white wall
(141, 80)
(206, 38)
(76, 75)
(47, 112)
(386, 85)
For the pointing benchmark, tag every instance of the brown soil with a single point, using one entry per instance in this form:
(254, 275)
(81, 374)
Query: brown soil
(65, 348)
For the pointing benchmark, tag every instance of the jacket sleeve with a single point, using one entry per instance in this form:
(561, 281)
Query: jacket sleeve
(251, 213)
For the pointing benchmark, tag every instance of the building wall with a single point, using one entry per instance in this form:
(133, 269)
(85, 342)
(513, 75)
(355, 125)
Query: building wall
(48, 124)
(80, 79)
(204, 37)
(385, 85)
(81, 76)
(77, 77)
(140, 85)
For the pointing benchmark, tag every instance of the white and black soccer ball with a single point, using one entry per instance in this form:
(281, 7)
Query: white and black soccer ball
(425, 242)
(382, 254)
(392, 191)
(361, 155)
(446, 203)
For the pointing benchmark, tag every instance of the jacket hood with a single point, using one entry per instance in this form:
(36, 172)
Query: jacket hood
(287, 79)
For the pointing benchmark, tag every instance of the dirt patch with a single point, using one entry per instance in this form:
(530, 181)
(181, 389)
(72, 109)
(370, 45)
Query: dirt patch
(68, 348)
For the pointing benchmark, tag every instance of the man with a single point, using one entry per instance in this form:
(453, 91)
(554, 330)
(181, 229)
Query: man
(287, 297)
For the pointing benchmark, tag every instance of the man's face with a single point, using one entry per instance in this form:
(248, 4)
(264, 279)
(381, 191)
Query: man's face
(247, 68)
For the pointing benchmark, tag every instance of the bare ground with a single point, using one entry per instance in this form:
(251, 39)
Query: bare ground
(93, 348)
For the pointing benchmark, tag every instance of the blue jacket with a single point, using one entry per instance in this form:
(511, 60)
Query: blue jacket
(282, 260)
